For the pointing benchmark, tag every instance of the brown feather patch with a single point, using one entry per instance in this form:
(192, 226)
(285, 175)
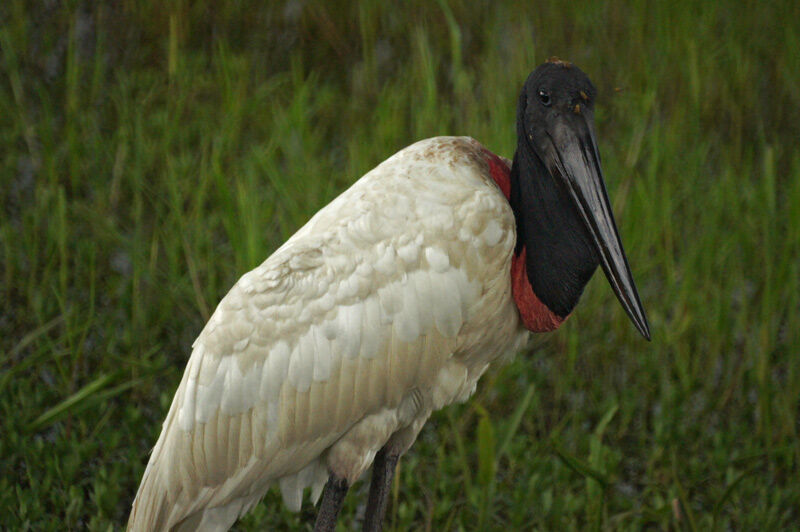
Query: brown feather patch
(557, 61)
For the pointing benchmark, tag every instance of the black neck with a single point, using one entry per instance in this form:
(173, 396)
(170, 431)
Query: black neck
(560, 255)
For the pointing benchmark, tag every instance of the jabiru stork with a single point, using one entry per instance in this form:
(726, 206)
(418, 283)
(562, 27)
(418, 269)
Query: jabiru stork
(389, 304)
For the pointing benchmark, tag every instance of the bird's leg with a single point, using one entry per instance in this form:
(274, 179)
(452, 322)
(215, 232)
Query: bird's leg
(382, 473)
(332, 499)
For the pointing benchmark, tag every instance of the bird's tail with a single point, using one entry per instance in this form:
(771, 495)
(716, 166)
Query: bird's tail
(153, 508)
(150, 509)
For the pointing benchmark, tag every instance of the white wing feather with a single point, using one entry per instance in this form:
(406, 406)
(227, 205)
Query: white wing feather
(319, 349)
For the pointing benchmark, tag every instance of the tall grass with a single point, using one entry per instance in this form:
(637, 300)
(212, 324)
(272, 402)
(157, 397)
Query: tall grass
(154, 152)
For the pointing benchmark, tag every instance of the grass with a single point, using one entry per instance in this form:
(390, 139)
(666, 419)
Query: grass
(154, 152)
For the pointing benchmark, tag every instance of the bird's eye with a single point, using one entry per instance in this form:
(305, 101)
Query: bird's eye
(544, 97)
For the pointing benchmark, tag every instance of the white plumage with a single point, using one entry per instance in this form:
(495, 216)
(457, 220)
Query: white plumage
(387, 305)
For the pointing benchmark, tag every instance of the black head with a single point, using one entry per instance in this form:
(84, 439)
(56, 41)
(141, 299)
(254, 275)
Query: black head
(555, 96)
(565, 219)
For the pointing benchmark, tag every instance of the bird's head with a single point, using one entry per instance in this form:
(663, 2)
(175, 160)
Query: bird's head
(556, 98)
(555, 128)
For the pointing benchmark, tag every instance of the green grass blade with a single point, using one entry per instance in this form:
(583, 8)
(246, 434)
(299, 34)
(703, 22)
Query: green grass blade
(89, 392)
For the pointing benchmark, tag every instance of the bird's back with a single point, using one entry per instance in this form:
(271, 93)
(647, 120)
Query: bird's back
(388, 304)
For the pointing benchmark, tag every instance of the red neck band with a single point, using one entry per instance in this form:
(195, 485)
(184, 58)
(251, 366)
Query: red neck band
(535, 315)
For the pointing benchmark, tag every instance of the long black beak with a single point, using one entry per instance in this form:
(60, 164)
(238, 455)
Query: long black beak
(574, 156)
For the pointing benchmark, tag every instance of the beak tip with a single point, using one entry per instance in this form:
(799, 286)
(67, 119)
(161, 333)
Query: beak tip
(643, 327)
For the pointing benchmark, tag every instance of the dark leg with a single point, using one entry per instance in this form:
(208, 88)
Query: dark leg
(332, 499)
(379, 487)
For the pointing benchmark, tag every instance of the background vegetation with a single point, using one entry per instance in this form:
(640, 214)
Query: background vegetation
(152, 152)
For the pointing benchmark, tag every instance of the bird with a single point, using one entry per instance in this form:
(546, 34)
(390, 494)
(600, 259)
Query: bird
(386, 306)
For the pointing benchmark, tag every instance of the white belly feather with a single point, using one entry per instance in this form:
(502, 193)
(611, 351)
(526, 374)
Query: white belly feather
(388, 304)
